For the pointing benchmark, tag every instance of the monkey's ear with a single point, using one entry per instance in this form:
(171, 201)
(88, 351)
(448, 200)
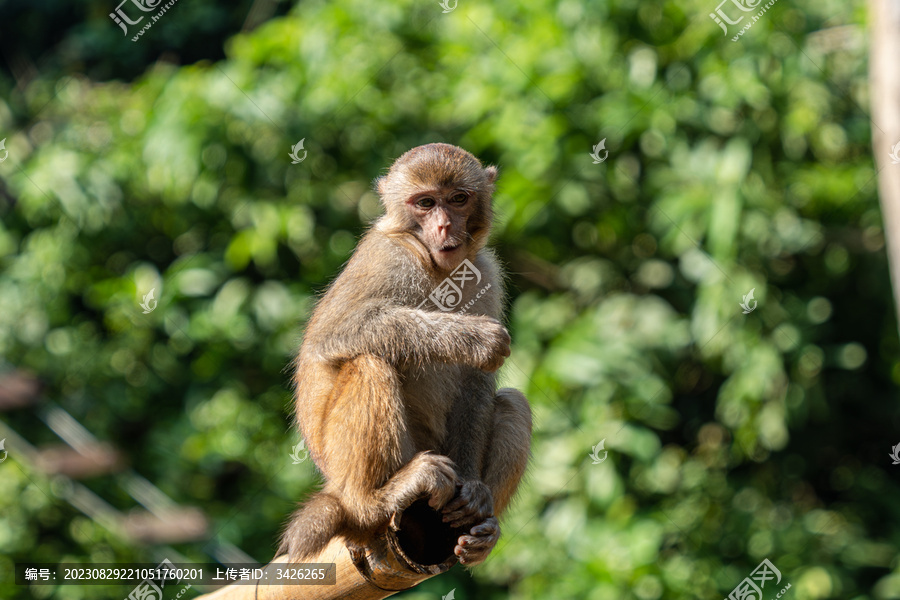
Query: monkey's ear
(380, 185)
(491, 173)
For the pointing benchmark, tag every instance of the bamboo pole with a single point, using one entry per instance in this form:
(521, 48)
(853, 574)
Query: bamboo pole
(884, 80)
(413, 547)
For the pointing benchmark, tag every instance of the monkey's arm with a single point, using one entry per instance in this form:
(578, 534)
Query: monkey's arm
(407, 335)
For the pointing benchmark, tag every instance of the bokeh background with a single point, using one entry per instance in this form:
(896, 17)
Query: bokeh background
(163, 164)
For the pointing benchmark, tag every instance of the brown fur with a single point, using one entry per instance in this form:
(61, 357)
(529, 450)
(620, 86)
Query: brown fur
(390, 411)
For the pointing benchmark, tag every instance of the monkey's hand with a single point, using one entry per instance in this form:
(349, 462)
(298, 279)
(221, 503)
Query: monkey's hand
(493, 345)
(472, 505)
(474, 548)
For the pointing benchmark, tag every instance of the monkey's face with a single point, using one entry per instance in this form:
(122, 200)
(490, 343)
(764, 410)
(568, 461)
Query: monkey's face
(443, 224)
(442, 195)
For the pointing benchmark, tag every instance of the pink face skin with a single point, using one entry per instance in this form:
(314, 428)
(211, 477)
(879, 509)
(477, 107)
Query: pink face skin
(442, 216)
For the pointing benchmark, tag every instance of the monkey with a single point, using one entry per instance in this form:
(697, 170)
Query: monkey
(396, 398)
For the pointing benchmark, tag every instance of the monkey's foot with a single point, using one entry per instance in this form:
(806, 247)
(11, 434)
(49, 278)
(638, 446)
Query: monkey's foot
(472, 504)
(474, 548)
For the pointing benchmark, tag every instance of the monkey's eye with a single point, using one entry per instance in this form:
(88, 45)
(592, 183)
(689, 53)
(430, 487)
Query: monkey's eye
(458, 199)
(425, 202)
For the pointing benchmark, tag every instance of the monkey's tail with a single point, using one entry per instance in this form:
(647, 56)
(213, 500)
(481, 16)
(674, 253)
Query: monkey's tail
(312, 526)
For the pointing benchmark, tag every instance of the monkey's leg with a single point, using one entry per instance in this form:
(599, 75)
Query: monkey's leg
(505, 459)
(368, 455)
(510, 447)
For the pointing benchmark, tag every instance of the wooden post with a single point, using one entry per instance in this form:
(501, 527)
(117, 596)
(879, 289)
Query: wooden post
(413, 547)
(884, 85)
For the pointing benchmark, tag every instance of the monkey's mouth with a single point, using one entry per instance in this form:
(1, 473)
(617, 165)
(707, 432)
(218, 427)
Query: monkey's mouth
(449, 249)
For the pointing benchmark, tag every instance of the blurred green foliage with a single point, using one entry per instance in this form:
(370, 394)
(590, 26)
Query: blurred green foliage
(732, 166)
